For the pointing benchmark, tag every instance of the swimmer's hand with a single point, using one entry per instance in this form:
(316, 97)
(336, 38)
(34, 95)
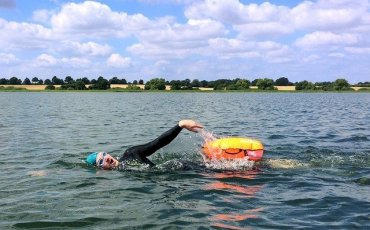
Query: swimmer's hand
(190, 125)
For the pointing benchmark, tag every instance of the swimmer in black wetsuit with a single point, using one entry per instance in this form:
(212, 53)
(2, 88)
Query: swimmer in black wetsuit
(141, 152)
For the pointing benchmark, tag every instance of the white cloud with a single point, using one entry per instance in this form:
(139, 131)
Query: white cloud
(277, 53)
(343, 4)
(8, 58)
(311, 58)
(336, 55)
(235, 12)
(358, 50)
(321, 38)
(236, 48)
(161, 63)
(224, 48)
(268, 29)
(116, 60)
(176, 40)
(87, 36)
(75, 62)
(190, 35)
(87, 48)
(45, 60)
(94, 18)
(42, 15)
(23, 35)
(269, 19)
(168, 1)
(325, 15)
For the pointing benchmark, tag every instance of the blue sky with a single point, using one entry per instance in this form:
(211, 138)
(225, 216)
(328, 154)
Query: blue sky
(320, 40)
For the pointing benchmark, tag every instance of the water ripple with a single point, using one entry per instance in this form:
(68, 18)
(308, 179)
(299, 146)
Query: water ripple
(60, 224)
(315, 173)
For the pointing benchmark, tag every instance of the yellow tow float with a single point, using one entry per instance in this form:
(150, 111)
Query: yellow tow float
(233, 148)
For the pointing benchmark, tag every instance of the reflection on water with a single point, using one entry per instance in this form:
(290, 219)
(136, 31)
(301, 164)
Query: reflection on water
(246, 191)
(238, 190)
(248, 214)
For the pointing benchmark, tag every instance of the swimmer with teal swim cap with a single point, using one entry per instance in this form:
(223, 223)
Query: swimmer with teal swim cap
(141, 152)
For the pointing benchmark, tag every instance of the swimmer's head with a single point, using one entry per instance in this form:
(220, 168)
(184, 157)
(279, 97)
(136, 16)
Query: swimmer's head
(91, 159)
(105, 161)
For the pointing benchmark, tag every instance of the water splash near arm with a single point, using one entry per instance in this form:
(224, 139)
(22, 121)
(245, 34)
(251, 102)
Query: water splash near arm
(206, 135)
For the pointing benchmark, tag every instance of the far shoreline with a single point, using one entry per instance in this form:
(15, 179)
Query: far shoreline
(123, 88)
(180, 91)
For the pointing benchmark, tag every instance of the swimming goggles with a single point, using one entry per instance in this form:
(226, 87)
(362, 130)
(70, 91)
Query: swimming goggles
(101, 161)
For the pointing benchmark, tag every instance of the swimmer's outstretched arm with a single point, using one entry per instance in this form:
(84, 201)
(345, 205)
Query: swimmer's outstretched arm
(149, 148)
(190, 125)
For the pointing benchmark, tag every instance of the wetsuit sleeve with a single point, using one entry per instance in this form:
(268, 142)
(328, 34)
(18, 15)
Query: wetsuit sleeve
(141, 152)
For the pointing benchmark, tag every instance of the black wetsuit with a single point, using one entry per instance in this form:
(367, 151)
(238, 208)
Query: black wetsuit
(141, 152)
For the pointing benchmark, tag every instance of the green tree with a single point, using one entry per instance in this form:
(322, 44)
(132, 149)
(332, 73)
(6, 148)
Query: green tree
(85, 80)
(204, 83)
(195, 83)
(141, 82)
(240, 84)
(156, 84)
(325, 85)
(283, 81)
(15, 81)
(305, 85)
(79, 85)
(69, 80)
(57, 81)
(114, 80)
(40, 82)
(35, 80)
(363, 84)
(101, 84)
(220, 84)
(265, 84)
(47, 82)
(50, 87)
(175, 85)
(341, 84)
(186, 84)
(254, 82)
(134, 82)
(3, 81)
(26, 81)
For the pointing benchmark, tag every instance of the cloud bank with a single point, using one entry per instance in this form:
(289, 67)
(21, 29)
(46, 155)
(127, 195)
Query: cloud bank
(312, 40)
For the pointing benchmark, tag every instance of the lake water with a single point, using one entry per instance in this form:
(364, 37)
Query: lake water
(316, 172)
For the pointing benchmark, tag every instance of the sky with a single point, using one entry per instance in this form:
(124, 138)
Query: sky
(320, 40)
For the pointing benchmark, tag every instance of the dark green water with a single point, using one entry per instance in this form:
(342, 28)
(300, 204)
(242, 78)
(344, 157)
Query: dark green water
(316, 172)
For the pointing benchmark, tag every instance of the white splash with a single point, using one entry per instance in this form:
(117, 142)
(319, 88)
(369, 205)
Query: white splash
(207, 135)
(234, 165)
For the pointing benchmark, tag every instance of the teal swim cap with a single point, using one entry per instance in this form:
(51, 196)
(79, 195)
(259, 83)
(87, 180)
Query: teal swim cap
(91, 159)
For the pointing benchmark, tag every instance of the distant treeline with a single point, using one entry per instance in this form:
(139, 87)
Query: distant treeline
(160, 84)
